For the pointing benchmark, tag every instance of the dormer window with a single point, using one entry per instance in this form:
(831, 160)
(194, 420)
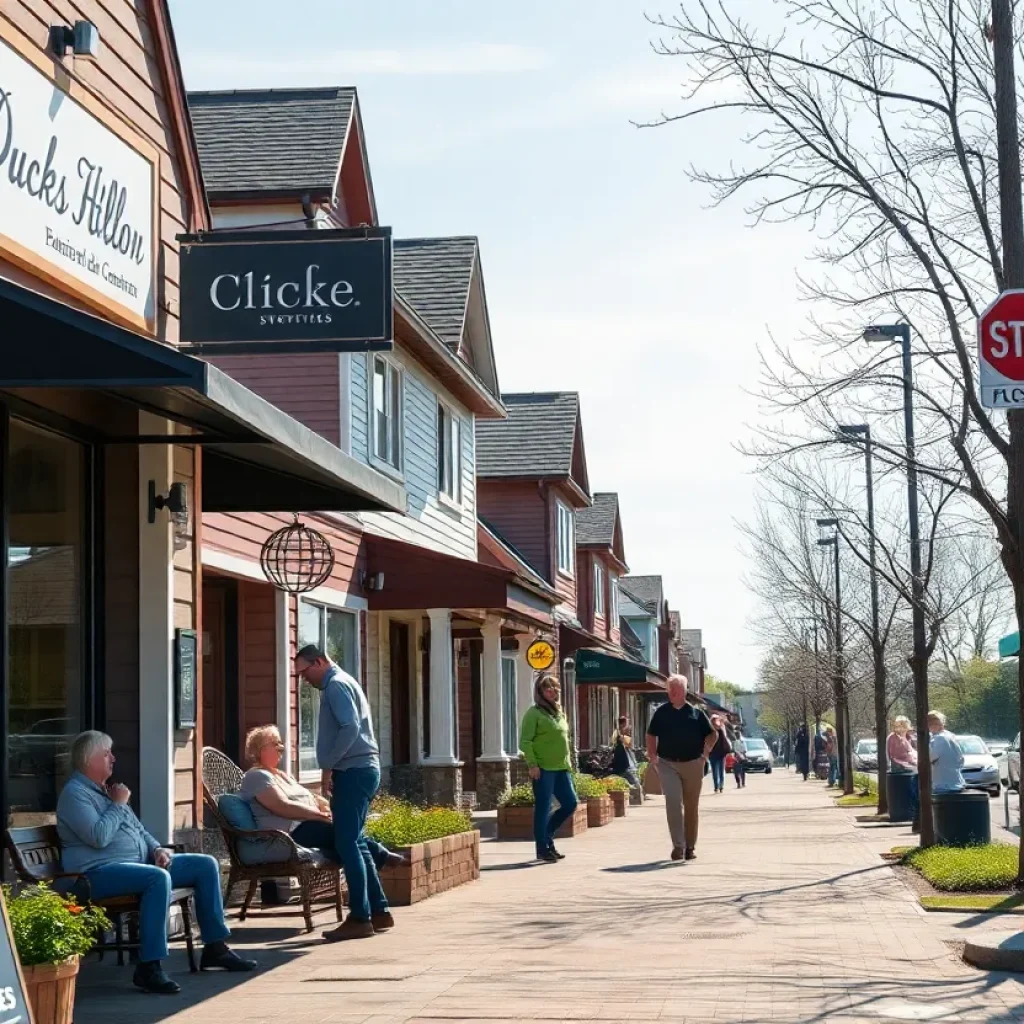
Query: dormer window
(566, 539)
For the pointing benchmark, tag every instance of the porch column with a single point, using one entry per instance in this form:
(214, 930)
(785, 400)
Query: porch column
(524, 678)
(156, 634)
(492, 768)
(442, 774)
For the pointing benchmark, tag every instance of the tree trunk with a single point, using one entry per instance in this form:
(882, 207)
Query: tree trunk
(881, 728)
(919, 669)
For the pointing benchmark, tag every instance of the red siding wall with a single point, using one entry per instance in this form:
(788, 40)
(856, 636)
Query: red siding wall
(305, 386)
(257, 652)
(520, 513)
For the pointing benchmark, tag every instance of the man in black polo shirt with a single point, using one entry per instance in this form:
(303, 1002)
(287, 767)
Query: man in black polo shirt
(679, 739)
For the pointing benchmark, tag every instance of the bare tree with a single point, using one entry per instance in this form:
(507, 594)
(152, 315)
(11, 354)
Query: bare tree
(876, 121)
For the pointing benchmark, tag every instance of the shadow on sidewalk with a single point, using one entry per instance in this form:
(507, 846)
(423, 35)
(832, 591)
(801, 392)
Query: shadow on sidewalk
(654, 865)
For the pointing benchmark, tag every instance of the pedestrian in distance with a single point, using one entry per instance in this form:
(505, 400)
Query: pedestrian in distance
(719, 752)
(623, 755)
(902, 757)
(945, 755)
(832, 753)
(679, 739)
(349, 759)
(739, 768)
(544, 742)
(802, 753)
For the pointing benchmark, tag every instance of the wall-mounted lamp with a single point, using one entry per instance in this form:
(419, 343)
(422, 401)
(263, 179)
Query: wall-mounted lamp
(175, 501)
(372, 580)
(83, 40)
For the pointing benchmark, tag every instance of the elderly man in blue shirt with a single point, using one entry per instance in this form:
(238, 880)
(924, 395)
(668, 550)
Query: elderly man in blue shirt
(103, 839)
(347, 753)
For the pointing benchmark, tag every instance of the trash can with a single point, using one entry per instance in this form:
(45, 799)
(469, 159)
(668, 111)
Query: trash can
(899, 787)
(962, 818)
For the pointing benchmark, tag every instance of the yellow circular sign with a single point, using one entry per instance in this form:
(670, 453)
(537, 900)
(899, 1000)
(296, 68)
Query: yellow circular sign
(540, 655)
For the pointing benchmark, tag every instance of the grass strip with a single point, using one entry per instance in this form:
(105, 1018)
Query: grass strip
(976, 902)
(967, 868)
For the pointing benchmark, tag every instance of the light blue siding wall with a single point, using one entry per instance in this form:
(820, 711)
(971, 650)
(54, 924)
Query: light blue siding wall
(359, 408)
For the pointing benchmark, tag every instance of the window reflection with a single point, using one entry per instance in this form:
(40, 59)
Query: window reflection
(46, 615)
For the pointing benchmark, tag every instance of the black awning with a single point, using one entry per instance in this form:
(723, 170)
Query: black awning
(257, 458)
(602, 668)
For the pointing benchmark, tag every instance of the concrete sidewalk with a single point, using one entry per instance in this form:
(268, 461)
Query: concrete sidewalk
(788, 914)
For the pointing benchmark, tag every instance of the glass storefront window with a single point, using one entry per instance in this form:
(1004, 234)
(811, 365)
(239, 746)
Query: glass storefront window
(47, 615)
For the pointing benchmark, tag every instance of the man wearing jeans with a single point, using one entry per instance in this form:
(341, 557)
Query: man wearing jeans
(679, 739)
(101, 838)
(347, 752)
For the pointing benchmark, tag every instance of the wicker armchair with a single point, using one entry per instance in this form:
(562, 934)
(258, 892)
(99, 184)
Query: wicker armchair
(319, 877)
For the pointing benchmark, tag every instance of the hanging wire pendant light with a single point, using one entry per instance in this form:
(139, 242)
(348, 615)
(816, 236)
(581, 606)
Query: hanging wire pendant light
(297, 559)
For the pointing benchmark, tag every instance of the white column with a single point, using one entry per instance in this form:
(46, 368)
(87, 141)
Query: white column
(283, 674)
(442, 688)
(491, 709)
(156, 635)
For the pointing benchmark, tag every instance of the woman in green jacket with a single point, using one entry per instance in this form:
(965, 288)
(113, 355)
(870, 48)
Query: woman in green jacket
(544, 741)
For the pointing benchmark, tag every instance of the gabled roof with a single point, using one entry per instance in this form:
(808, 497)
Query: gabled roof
(647, 591)
(434, 275)
(541, 437)
(595, 526)
(272, 140)
(628, 638)
(492, 543)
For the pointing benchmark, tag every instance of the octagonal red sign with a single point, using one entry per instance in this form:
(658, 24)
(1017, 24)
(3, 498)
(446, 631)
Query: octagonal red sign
(1001, 351)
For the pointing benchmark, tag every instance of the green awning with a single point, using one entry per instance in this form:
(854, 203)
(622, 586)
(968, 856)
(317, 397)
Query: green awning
(1009, 646)
(603, 668)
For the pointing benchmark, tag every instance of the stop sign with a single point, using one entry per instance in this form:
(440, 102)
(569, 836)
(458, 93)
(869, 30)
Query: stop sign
(1001, 351)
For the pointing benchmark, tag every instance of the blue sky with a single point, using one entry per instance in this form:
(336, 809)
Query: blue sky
(606, 270)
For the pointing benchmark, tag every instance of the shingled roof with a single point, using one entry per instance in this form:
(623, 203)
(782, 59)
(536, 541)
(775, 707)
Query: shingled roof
(645, 590)
(271, 140)
(535, 441)
(434, 275)
(595, 526)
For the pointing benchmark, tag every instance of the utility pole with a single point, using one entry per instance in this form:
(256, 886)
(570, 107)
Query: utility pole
(839, 671)
(1011, 222)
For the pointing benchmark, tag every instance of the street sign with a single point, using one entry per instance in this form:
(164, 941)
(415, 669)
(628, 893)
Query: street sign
(540, 655)
(1001, 352)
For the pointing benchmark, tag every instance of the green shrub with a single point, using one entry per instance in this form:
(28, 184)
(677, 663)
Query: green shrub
(613, 784)
(966, 868)
(49, 928)
(641, 769)
(587, 787)
(384, 802)
(518, 796)
(862, 781)
(402, 824)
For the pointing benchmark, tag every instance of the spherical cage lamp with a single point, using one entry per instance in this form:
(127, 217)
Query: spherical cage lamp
(297, 559)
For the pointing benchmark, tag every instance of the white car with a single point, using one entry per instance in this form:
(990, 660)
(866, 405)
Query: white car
(979, 770)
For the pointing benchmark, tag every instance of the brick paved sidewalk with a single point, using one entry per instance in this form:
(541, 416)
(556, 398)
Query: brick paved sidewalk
(788, 914)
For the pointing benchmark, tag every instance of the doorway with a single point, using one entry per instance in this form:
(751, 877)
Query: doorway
(401, 694)
(220, 665)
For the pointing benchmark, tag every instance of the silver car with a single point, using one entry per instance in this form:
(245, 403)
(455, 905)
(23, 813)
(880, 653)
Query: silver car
(865, 756)
(979, 768)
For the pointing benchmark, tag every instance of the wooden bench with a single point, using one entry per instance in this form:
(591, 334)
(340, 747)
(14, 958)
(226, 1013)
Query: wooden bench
(36, 856)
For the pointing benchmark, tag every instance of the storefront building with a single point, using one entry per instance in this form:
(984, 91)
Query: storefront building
(113, 442)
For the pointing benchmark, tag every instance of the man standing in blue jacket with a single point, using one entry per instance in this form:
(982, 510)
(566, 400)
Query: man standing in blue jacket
(347, 753)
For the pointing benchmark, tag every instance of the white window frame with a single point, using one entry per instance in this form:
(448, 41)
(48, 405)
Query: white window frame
(613, 591)
(566, 547)
(393, 459)
(332, 601)
(599, 597)
(449, 474)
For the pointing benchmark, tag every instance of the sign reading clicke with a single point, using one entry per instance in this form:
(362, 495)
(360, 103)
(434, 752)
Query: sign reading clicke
(76, 200)
(286, 291)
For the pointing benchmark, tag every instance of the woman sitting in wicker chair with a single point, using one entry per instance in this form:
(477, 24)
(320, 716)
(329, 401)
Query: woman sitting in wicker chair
(279, 802)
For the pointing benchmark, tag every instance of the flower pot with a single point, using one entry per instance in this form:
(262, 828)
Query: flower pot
(599, 811)
(51, 991)
(620, 801)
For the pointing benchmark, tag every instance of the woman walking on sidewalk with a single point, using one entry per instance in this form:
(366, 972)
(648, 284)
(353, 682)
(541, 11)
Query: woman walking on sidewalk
(719, 752)
(802, 757)
(544, 741)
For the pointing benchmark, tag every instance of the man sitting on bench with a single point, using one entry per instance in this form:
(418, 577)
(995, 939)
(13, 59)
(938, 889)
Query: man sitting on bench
(102, 839)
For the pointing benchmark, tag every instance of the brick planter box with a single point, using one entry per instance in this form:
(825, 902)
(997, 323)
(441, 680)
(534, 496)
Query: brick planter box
(433, 867)
(517, 823)
(620, 801)
(599, 811)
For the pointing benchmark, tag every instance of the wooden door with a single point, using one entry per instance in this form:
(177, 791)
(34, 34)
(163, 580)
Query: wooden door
(401, 691)
(214, 682)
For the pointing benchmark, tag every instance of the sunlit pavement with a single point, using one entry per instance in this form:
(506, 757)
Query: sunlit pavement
(788, 914)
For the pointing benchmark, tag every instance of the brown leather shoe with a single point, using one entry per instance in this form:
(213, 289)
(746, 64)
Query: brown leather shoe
(677, 853)
(382, 922)
(691, 853)
(350, 928)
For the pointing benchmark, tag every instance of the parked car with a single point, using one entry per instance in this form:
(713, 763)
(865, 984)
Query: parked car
(759, 756)
(865, 756)
(997, 747)
(42, 749)
(1013, 764)
(979, 769)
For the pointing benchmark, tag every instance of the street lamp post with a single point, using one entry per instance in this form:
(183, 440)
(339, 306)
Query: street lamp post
(852, 432)
(919, 660)
(839, 677)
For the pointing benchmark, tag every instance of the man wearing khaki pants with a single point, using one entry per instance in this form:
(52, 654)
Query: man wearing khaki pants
(679, 739)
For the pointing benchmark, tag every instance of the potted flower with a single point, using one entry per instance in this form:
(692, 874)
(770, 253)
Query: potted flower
(51, 933)
(618, 789)
(595, 798)
(515, 815)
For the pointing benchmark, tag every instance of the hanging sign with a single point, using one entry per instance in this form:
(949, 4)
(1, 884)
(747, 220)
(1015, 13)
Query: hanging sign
(78, 190)
(540, 655)
(185, 664)
(245, 292)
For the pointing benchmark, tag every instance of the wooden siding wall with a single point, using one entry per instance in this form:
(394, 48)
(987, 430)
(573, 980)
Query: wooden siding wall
(428, 521)
(257, 654)
(518, 510)
(120, 679)
(305, 385)
(565, 586)
(127, 78)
